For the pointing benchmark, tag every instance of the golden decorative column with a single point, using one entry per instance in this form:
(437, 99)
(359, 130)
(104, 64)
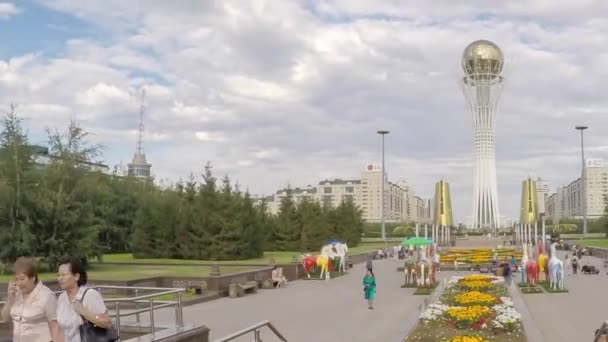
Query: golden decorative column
(442, 210)
(529, 208)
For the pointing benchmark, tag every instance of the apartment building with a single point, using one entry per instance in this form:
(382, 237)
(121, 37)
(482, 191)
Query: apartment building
(567, 201)
(400, 202)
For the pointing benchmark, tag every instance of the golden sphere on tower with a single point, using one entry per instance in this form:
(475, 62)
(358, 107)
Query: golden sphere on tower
(482, 59)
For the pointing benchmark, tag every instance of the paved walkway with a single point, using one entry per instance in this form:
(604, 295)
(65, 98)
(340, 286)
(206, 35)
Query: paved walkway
(572, 316)
(315, 310)
(336, 310)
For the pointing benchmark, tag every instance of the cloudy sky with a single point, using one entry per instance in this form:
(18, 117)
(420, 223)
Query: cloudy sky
(276, 92)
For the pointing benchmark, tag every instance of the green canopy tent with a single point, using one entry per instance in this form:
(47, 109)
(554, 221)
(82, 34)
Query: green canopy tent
(416, 241)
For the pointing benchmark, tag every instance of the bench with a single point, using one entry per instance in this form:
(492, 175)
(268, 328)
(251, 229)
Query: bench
(238, 289)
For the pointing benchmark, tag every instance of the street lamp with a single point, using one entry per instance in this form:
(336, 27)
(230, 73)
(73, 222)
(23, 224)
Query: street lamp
(583, 181)
(383, 133)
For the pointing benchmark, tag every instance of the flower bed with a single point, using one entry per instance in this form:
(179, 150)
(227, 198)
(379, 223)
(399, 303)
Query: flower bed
(478, 255)
(462, 313)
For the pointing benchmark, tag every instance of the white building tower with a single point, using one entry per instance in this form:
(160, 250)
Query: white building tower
(481, 82)
(139, 167)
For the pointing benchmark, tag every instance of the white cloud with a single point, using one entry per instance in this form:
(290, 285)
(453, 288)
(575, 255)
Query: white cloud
(210, 136)
(8, 10)
(299, 92)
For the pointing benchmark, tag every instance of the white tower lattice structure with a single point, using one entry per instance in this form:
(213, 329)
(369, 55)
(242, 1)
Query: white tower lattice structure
(481, 82)
(139, 167)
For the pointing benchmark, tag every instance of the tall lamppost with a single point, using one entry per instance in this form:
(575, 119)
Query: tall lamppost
(383, 133)
(583, 180)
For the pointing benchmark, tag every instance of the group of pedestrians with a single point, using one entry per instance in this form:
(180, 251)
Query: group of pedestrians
(39, 316)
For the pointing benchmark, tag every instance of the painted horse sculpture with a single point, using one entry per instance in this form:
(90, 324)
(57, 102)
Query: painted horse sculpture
(341, 249)
(556, 270)
(424, 271)
(409, 269)
(325, 262)
(543, 265)
(529, 267)
(308, 263)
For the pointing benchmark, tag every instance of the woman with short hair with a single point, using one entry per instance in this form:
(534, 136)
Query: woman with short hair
(78, 302)
(31, 306)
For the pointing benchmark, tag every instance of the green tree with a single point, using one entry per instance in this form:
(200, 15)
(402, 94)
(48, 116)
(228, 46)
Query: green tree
(284, 234)
(16, 186)
(63, 218)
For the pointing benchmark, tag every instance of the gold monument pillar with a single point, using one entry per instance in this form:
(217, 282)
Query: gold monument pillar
(442, 215)
(529, 205)
(442, 205)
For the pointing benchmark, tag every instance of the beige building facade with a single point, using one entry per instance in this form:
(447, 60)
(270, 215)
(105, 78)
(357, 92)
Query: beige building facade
(567, 201)
(400, 204)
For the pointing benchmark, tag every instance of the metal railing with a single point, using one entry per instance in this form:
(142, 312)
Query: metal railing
(255, 329)
(138, 300)
(148, 299)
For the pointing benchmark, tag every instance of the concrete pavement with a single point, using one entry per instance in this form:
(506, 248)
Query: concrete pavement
(572, 316)
(315, 310)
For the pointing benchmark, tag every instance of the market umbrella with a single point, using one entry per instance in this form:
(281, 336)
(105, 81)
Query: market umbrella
(416, 241)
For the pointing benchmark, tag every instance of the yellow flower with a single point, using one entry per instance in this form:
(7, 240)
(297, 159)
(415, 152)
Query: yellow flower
(478, 277)
(468, 313)
(476, 284)
(467, 339)
(475, 297)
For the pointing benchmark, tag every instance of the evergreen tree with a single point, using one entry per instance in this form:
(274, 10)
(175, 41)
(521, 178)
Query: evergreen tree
(16, 185)
(189, 235)
(63, 218)
(229, 238)
(311, 226)
(284, 235)
(253, 234)
(209, 208)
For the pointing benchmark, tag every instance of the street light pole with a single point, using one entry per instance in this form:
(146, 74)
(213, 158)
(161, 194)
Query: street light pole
(383, 133)
(583, 181)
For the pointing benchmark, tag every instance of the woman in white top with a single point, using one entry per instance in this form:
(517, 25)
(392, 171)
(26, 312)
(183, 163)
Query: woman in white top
(72, 307)
(31, 306)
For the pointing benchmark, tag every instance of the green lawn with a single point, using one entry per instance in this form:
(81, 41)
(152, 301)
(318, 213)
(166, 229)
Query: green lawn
(128, 272)
(100, 271)
(593, 242)
(279, 257)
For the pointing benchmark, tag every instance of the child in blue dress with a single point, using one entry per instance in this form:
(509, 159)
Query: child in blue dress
(369, 288)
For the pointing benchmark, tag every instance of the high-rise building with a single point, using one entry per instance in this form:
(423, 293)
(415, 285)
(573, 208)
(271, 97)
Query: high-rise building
(481, 83)
(542, 194)
(567, 201)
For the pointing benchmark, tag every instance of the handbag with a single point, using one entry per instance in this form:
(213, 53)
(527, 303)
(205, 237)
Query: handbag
(91, 333)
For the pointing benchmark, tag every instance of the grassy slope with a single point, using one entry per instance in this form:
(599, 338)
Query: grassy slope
(127, 272)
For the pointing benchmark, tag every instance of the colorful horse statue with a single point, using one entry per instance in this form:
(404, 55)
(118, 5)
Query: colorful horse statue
(327, 254)
(409, 269)
(556, 270)
(423, 269)
(308, 263)
(341, 251)
(543, 265)
(532, 272)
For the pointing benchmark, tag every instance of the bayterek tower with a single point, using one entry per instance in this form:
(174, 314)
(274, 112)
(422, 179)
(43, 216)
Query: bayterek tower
(481, 82)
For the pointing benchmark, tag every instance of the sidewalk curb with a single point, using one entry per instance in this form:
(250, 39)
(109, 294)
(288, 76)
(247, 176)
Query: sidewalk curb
(530, 327)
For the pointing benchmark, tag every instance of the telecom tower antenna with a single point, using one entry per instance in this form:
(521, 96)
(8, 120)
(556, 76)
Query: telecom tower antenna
(139, 167)
(140, 133)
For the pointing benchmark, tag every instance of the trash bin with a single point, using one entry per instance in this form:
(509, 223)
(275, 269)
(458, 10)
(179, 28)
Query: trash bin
(232, 291)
